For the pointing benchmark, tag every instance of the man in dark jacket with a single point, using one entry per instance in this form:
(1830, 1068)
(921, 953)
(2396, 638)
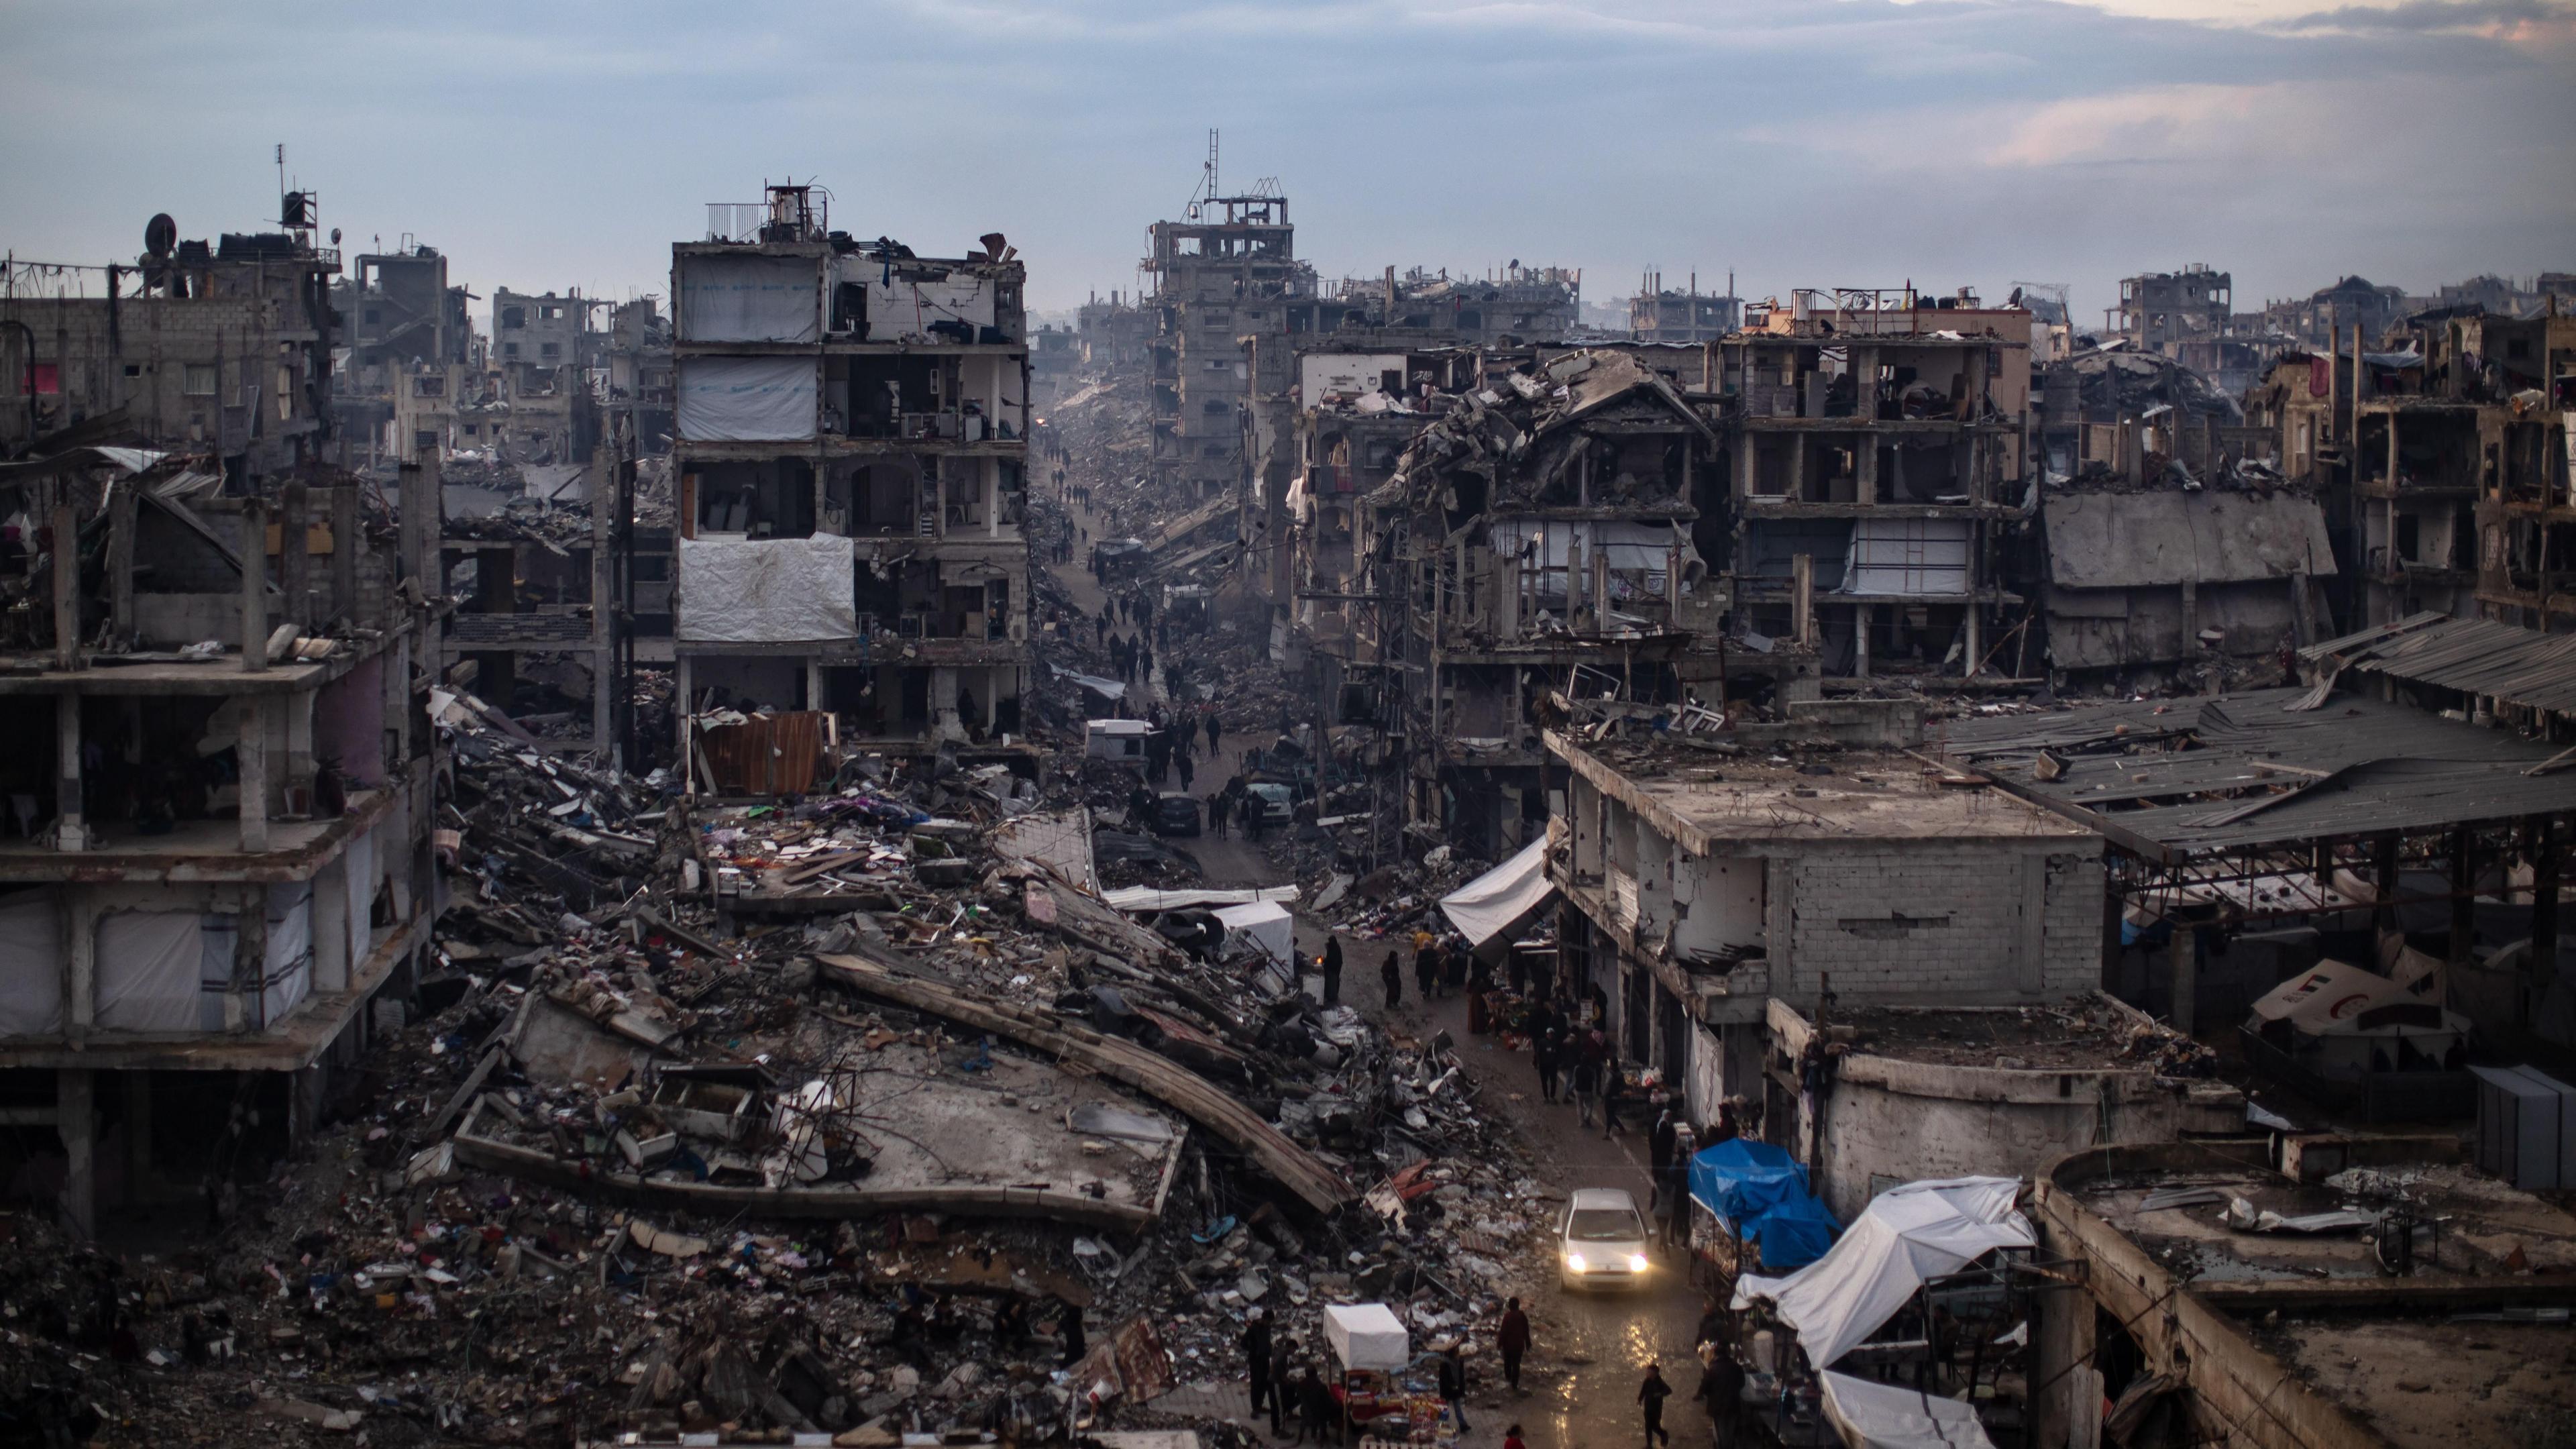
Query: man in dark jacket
(1650, 1397)
(1320, 1412)
(1282, 1354)
(1332, 970)
(1721, 1389)
(1514, 1341)
(1391, 977)
(1256, 1361)
(1453, 1386)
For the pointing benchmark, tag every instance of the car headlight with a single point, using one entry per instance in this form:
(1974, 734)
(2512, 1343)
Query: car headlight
(1575, 1261)
(1636, 1262)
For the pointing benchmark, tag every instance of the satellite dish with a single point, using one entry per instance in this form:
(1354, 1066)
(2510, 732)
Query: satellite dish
(160, 234)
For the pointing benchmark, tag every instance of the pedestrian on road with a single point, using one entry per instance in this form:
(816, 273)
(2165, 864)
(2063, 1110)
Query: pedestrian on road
(1587, 1076)
(1543, 1060)
(1453, 1385)
(1650, 1396)
(1426, 968)
(1322, 1414)
(1512, 1438)
(1214, 728)
(1217, 812)
(1256, 1359)
(1282, 1354)
(1390, 975)
(1514, 1342)
(1721, 1390)
(1187, 769)
(1332, 970)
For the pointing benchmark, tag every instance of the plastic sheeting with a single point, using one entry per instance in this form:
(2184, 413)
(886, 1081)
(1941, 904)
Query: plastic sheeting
(767, 591)
(1267, 923)
(1761, 1192)
(1907, 1234)
(1891, 1416)
(148, 972)
(1367, 1336)
(1912, 557)
(746, 399)
(31, 974)
(1489, 908)
(360, 862)
(747, 299)
(1634, 548)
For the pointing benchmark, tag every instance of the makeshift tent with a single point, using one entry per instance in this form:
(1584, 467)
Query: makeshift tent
(1906, 1235)
(1760, 1192)
(1366, 1336)
(1492, 908)
(1267, 923)
(1891, 1416)
(767, 591)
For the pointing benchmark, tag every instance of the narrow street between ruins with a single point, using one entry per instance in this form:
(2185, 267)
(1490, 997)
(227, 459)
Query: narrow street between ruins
(1588, 1350)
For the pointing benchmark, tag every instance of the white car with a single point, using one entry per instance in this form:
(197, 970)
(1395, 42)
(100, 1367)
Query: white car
(1602, 1241)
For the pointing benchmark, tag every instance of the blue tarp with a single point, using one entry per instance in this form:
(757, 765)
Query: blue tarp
(1761, 1192)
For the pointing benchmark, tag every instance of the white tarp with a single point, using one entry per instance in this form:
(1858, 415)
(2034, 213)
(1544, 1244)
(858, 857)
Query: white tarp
(747, 299)
(767, 591)
(147, 972)
(746, 399)
(1494, 904)
(288, 975)
(1890, 1416)
(1267, 923)
(1644, 551)
(360, 863)
(1366, 1336)
(1147, 898)
(31, 966)
(1913, 557)
(1906, 1235)
(2330, 993)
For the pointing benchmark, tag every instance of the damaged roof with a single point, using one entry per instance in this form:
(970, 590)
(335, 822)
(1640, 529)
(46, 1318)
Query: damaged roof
(2474, 656)
(2174, 779)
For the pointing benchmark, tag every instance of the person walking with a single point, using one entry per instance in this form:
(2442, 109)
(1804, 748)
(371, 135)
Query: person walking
(1256, 1361)
(1217, 812)
(1390, 977)
(1214, 729)
(1186, 768)
(1453, 1385)
(1721, 1392)
(1587, 1077)
(1320, 1414)
(1614, 1087)
(1650, 1397)
(1282, 1354)
(1332, 970)
(1512, 1438)
(1543, 1061)
(1426, 968)
(1514, 1341)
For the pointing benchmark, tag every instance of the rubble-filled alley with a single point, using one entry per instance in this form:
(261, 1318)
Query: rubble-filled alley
(818, 859)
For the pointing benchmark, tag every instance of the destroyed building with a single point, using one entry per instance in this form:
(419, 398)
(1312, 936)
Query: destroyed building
(1660, 314)
(1877, 443)
(853, 429)
(1540, 536)
(402, 321)
(541, 353)
(1224, 281)
(1117, 335)
(222, 853)
(1509, 307)
(2317, 318)
(222, 350)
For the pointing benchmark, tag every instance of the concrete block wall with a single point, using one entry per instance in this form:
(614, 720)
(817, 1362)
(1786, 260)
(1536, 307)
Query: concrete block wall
(1943, 922)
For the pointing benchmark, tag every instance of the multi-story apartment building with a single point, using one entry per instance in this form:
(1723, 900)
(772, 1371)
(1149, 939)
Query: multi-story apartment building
(853, 423)
(1513, 306)
(1878, 441)
(1224, 284)
(220, 857)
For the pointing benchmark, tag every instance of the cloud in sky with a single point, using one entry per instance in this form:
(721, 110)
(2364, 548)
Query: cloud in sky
(1800, 142)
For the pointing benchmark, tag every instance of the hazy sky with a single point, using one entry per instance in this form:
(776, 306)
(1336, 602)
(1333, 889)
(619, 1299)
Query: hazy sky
(1801, 142)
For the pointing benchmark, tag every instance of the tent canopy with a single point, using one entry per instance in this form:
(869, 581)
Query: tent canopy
(1761, 1191)
(1890, 1416)
(2316, 1000)
(1906, 1235)
(1493, 907)
(1268, 923)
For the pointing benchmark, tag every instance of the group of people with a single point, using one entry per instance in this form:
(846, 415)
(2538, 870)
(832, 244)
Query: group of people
(1286, 1383)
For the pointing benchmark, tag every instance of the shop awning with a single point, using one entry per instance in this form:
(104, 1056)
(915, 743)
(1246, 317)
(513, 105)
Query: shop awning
(1891, 1416)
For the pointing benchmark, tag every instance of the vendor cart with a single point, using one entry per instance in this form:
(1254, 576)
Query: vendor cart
(1371, 1351)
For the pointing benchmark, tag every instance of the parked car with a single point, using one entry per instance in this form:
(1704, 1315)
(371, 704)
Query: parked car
(1176, 815)
(1602, 1241)
(1275, 801)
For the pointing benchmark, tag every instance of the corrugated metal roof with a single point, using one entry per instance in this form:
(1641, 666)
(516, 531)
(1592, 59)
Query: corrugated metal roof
(2146, 540)
(2475, 656)
(2172, 779)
